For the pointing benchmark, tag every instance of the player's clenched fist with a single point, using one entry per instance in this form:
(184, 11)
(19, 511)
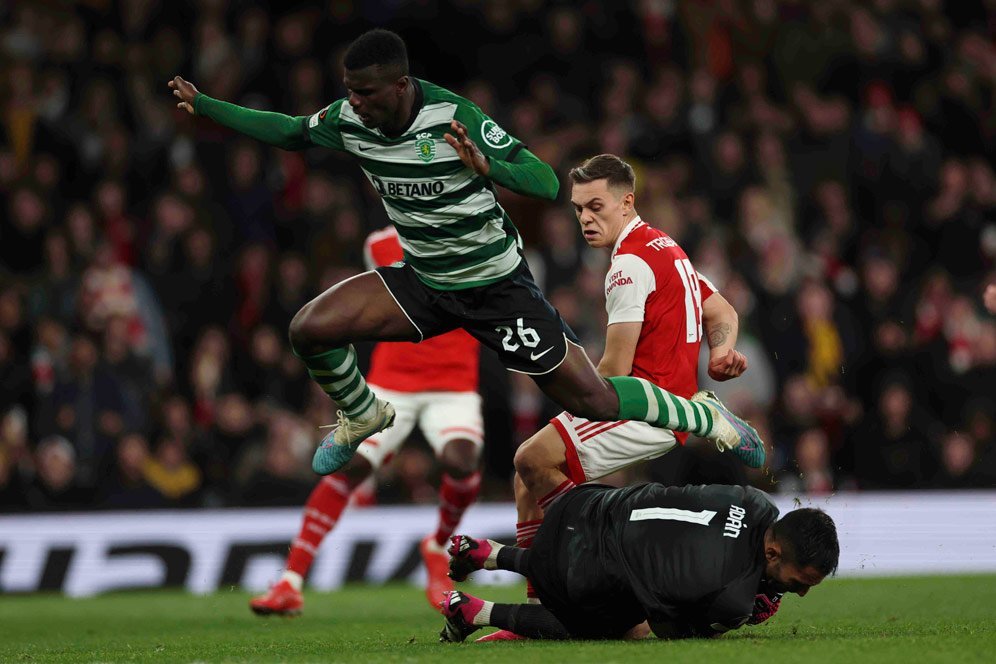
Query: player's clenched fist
(185, 92)
(731, 365)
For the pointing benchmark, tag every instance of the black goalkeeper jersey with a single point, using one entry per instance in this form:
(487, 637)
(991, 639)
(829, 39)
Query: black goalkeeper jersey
(692, 555)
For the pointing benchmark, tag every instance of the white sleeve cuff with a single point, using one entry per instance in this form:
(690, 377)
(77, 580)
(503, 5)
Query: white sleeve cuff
(629, 283)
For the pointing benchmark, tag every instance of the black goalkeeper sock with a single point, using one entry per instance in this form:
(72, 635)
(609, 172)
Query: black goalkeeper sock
(512, 559)
(534, 621)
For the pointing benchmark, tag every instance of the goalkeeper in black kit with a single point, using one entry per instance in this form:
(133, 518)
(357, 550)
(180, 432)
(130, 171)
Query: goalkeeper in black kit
(680, 562)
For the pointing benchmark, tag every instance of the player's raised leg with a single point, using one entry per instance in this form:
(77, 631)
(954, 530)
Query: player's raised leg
(530, 337)
(577, 386)
(322, 333)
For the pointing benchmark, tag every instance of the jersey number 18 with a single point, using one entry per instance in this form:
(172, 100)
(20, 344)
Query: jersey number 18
(693, 300)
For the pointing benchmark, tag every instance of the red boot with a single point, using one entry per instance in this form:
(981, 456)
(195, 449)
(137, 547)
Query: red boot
(500, 635)
(437, 566)
(282, 600)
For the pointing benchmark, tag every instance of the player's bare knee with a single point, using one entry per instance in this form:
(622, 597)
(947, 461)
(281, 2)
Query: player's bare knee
(460, 458)
(301, 332)
(527, 463)
(312, 333)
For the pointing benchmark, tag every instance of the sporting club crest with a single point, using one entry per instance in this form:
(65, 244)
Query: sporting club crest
(425, 147)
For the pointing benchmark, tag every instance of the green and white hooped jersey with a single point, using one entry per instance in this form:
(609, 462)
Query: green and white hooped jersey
(453, 231)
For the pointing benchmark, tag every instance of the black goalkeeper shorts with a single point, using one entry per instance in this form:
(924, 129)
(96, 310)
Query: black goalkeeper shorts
(511, 316)
(579, 589)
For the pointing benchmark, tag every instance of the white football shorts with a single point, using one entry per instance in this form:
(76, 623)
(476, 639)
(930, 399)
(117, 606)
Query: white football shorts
(597, 449)
(442, 416)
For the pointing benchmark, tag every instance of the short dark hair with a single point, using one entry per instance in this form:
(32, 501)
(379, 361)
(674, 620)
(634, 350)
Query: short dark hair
(605, 167)
(377, 47)
(809, 538)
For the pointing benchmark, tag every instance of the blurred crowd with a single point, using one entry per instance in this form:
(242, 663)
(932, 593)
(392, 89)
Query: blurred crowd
(827, 164)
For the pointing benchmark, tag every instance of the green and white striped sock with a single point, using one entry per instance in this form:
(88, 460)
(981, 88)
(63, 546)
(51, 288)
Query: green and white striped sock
(336, 373)
(640, 399)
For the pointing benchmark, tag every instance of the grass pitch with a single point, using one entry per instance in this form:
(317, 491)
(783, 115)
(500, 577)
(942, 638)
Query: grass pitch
(928, 619)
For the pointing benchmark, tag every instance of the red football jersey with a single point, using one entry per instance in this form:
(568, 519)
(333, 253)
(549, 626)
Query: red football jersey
(447, 363)
(652, 281)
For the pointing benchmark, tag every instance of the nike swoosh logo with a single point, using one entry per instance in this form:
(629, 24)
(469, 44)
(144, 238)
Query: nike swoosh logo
(536, 356)
(364, 148)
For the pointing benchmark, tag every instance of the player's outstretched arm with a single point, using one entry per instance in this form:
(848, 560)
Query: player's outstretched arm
(525, 174)
(282, 131)
(721, 326)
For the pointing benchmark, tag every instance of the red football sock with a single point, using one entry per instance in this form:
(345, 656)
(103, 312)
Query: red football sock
(525, 531)
(455, 496)
(325, 504)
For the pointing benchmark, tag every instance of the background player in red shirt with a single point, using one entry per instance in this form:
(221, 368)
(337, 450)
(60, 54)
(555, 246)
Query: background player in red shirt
(432, 385)
(658, 309)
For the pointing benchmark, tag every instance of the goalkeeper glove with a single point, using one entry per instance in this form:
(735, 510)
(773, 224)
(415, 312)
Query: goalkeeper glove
(765, 606)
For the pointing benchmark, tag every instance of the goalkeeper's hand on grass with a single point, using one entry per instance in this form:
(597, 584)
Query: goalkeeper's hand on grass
(765, 606)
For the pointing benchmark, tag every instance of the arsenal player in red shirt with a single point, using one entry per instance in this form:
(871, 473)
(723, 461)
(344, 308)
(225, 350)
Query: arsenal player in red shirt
(659, 309)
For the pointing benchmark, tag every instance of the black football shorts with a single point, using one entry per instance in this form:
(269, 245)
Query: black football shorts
(511, 316)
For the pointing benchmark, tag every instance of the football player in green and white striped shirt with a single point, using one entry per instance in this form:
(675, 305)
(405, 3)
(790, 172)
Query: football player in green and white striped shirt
(435, 159)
